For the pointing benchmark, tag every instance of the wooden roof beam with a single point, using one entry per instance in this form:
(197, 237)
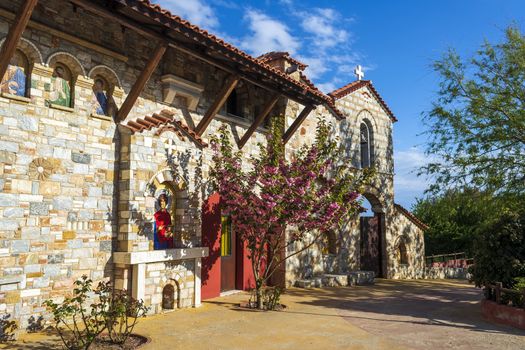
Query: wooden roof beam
(121, 19)
(15, 33)
(297, 123)
(259, 120)
(140, 83)
(231, 83)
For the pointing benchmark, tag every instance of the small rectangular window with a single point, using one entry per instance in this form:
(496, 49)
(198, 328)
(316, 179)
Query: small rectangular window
(226, 236)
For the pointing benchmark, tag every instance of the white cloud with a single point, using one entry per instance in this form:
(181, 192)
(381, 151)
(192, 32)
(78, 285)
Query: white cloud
(195, 11)
(407, 184)
(324, 24)
(267, 34)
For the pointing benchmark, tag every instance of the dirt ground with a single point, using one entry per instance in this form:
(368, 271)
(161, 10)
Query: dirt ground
(389, 315)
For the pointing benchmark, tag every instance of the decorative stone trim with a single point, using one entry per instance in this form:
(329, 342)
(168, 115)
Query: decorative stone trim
(133, 258)
(84, 82)
(61, 108)
(173, 86)
(22, 99)
(101, 117)
(41, 70)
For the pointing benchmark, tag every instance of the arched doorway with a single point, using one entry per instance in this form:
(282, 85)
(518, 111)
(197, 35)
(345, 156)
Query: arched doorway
(371, 229)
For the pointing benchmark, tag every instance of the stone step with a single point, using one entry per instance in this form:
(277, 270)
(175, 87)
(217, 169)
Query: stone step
(361, 278)
(331, 280)
(315, 282)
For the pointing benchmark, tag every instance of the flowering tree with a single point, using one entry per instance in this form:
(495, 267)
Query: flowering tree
(309, 194)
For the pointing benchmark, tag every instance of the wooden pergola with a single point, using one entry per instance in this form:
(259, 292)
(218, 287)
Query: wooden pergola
(171, 32)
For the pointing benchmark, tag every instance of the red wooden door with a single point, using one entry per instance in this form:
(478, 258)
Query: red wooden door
(228, 255)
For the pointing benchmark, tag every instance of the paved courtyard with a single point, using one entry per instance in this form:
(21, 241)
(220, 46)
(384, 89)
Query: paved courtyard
(389, 315)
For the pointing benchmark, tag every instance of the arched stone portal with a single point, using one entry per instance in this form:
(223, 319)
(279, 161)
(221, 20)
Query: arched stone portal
(372, 237)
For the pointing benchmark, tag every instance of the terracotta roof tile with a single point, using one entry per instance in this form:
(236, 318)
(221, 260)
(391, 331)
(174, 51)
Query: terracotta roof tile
(356, 85)
(224, 48)
(411, 217)
(164, 120)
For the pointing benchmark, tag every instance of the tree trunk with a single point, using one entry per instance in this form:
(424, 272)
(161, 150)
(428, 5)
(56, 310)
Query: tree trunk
(258, 294)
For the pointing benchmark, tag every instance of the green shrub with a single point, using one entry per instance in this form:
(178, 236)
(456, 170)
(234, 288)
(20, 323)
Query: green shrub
(77, 324)
(122, 315)
(499, 254)
(7, 328)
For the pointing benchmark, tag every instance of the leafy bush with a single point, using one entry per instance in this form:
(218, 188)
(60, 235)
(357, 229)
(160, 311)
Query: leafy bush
(77, 325)
(122, 315)
(500, 251)
(7, 328)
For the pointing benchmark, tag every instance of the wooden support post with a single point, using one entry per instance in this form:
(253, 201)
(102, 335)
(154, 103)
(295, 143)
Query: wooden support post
(226, 90)
(297, 123)
(15, 33)
(141, 81)
(259, 120)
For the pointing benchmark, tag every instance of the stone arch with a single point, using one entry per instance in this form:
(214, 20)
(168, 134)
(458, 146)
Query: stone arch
(175, 189)
(17, 79)
(167, 175)
(372, 238)
(171, 292)
(402, 248)
(69, 60)
(376, 199)
(106, 84)
(29, 49)
(109, 74)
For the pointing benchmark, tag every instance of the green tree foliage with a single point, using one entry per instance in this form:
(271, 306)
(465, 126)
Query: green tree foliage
(453, 219)
(500, 251)
(477, 123)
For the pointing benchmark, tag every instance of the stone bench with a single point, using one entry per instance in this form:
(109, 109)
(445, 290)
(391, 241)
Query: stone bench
(361, 278)
(332, 280)
(315, 282)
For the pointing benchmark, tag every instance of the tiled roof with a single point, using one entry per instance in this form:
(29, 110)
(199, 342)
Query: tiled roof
(154, 11)
(231, 52)
(411, 217)
(356, 85)
(275, 55)
(164, 120)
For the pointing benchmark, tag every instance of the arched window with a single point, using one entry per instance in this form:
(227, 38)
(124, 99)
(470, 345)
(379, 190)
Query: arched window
(102, 101)
(365, 144)
(16, 78)
(105, 84)
(61, 88)
(402, 255)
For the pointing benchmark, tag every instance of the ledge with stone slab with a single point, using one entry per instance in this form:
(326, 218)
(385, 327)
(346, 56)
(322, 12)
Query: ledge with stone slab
(354, 278)
(139, 260)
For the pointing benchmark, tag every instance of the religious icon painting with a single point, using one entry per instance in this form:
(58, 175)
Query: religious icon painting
(163, 225)
(100, 97)
(14, 80)
(60, 93)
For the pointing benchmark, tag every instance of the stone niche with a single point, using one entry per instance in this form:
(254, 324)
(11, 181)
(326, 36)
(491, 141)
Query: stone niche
(174, 87)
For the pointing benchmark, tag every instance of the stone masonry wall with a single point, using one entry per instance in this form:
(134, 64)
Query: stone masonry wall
(59, 167)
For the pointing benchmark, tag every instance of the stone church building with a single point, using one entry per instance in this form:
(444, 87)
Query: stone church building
(106, 111)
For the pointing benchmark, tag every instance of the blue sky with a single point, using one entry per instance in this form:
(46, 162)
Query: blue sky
(395, 42)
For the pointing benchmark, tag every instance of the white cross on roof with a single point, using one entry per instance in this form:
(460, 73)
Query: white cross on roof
(358, 71)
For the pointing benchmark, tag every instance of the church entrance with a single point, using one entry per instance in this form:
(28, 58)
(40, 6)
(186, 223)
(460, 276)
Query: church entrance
(371, 245)
(228, 255)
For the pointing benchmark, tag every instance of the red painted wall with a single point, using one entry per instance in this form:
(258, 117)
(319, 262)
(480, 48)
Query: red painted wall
(211, 238)
(511, 316)
(245, 279)
(211, 265)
